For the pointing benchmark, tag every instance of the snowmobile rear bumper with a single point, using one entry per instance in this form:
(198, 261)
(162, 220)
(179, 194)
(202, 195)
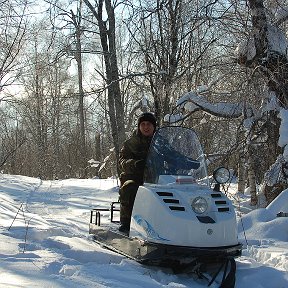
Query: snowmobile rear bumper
(159, 254)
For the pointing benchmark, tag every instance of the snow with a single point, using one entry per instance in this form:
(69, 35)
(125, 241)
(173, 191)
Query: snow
(277, 41)
(173, 118)
(247, 49)
(270, 103)
(192, 102)
(283, 139)
(281, 14)
(280, 204)
(45, 241)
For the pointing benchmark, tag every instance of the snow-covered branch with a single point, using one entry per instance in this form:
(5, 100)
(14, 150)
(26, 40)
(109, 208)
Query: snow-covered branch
(283, 139)
(221, 109)
(192, 102)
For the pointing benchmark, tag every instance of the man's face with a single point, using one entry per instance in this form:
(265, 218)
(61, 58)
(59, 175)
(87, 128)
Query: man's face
(146, 128)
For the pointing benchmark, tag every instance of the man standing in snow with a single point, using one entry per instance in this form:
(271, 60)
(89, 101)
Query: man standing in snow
(132, 163)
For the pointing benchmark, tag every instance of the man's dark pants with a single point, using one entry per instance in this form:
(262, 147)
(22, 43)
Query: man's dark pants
(127, 197)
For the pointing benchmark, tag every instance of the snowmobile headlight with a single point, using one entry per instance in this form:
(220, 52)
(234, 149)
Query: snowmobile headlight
(221, 175)
(199, 205)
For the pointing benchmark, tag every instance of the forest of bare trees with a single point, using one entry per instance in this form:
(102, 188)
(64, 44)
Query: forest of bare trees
(74, 76)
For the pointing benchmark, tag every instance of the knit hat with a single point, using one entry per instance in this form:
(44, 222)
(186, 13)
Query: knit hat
(147, 116)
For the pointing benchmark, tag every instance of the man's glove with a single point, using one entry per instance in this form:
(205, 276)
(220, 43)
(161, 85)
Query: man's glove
(140, 164)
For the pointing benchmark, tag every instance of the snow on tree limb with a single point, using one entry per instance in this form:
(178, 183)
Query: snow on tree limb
(273, 175)
(277, 41)
(283, 139)
(246, 51)
(281, 15)
(173, 118)
(193, 102)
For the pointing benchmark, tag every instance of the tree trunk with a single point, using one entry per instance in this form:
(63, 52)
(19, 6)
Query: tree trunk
(275, 64)
(252, 178)
(162, 51)
(242, 171)
(241, 174)
(115, 103)
(273, 67)
(81, 110)
(98, 151)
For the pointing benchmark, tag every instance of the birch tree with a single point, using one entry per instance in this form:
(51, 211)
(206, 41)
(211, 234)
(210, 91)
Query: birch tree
(266, 52)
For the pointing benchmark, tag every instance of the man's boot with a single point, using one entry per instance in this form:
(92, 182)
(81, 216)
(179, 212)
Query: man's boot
(125, 228)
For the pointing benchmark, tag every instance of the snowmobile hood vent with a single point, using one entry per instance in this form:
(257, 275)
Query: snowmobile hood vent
(223, 209)
(165, 194)
(216, 195)
(171, 200)
(221, 204)
(177, 208)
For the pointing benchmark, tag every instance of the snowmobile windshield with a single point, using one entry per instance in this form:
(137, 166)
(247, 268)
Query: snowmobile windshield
(175, 156)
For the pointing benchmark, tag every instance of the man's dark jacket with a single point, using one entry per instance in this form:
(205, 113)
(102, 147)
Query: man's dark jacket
(134, 149)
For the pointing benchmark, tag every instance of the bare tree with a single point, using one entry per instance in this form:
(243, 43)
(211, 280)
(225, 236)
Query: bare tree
(76, 19)
(64, 19)
(12, 138)
(160, 34)
(43, 107)
(107, 33)
(12, 32)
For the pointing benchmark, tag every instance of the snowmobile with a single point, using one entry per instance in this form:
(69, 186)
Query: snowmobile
(178, 220)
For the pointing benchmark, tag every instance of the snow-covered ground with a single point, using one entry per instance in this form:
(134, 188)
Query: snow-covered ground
(45, 241)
